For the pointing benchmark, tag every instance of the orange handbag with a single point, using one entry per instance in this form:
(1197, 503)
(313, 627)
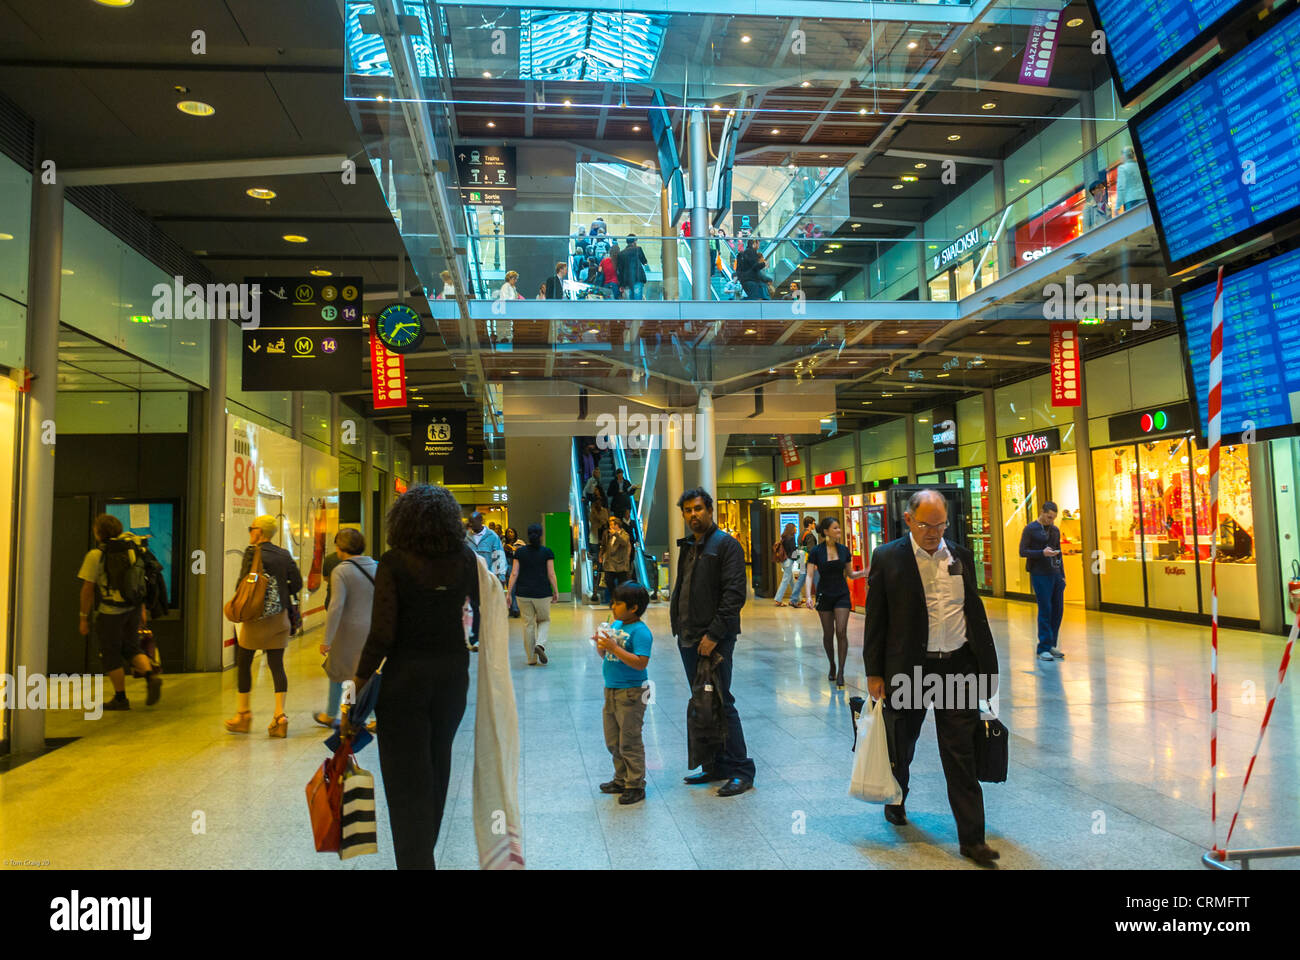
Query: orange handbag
(325, 800)
(249, 601)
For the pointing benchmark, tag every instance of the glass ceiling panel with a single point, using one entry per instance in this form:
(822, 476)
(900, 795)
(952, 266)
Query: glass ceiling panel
(577, 45)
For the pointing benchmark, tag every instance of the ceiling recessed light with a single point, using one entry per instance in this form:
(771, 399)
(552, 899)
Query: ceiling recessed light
(636, 129)
(746, 38)
(321, 272)
(998, 48)
(196, 108)
(583, 363)
(1023, 343)
(1074, 22)
(898, 186)
(877, 206)
(491, 123)
(805, 84)
(908, 178)
(811, 266)
(902, 331)
(822, 156)
(594, 330)
(260, 193)
(909, 387)
(115, 3)
(918, 166)
(990, 105)
(514, 371)
(853, 363)
(922, 420)
(912, 45)
(775, 130)
(1025, 180)
(294, 238)
(941, 375)
(856, 225)
(717, 106)
(487, 74)
(886, 394)
(66, 272)
(954, 137)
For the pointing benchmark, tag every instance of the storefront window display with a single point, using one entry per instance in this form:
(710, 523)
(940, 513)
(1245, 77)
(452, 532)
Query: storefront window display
(733, 518)
(1019, 506)
(1065, 494)
(1153, 527)
(1115, 476)
(8, 415)
(1238, 585)
(979, 535)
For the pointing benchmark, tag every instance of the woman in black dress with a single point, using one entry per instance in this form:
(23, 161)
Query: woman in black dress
(832, 560)
(421, 586)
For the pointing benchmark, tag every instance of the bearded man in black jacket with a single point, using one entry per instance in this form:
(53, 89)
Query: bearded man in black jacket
(708, 592)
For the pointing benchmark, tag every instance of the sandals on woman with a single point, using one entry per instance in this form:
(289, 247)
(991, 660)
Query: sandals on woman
(240, 722)
(279, 726)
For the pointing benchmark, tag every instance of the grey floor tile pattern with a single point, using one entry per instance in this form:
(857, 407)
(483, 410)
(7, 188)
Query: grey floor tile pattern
(1109, 763)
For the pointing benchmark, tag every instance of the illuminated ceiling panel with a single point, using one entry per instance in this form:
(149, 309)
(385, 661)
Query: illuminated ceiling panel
(576, 45)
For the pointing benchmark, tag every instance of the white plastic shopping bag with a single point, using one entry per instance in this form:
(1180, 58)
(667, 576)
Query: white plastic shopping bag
(873, 778)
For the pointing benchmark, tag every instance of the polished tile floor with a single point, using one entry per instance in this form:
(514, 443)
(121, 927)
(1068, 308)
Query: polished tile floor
(1109, 762)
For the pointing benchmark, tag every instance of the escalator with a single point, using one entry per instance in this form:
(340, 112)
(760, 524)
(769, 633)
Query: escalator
(639, 471)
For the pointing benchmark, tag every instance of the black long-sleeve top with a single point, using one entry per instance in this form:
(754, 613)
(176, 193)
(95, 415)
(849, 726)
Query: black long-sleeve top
(1032, 541)
(418, 606)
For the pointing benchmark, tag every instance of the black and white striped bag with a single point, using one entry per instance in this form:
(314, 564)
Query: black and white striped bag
(359, 829)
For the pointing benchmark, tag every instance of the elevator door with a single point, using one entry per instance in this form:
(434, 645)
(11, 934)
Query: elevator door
(69, 651)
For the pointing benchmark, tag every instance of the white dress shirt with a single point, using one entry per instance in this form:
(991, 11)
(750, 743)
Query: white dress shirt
(945, 596)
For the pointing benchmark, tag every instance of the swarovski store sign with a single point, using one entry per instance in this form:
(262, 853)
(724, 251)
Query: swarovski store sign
(956, 250)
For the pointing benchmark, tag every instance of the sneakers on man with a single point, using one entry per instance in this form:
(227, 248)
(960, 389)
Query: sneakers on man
(632, 795)
(541, 653)
(154, 683)
(1046, 655)
(1057, 653)
(118, 704)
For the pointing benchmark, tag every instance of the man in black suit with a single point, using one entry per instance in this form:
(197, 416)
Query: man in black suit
(925, 624)
(708, 592)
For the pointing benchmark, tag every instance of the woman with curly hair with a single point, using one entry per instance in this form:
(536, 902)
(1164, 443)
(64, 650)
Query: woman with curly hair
(421, 586)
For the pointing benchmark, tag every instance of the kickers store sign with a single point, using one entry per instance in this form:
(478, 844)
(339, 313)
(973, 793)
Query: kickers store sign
(1032, 444)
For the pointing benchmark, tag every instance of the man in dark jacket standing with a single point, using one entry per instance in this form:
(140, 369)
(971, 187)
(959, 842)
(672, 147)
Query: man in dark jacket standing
(748, 267)
(927, 632)
(708, 592)
(554, 286)
(631, 269)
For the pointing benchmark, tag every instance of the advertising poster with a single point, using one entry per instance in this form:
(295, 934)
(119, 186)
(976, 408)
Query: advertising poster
(269, 473)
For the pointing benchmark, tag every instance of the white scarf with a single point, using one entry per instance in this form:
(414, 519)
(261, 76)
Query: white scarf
(497, 826)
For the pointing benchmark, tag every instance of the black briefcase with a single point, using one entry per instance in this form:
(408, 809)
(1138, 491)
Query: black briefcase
(991, 738)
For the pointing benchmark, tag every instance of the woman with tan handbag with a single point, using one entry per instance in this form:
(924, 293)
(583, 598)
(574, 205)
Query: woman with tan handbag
(270, 572)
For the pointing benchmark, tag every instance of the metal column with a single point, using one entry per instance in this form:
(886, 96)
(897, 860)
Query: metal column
(1268, 557)
(700, 267)
(1087, 506)
(668, 242)
(676, 487)
(909, 423)
(999, 584)
(295, 415)
(335, 407)
(31, 612)
(706, 437)
(211, 625)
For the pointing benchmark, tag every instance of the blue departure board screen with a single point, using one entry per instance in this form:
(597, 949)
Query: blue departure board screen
(1261, 347)
(1223, 157)
(1145, 36)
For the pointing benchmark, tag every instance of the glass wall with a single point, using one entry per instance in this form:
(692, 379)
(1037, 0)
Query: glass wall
(1115, 477)
(15, 219)
(1064, 475)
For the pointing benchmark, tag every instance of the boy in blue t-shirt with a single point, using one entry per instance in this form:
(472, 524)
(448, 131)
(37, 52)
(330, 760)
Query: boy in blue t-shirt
(625, 646)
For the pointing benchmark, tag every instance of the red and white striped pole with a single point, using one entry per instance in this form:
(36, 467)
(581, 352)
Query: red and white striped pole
(1216, 431)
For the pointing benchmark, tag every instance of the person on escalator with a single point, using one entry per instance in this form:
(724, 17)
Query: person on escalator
(597, 521)
(630, 267)
(592, 486)
(615, 555)
(749, 266)
(620, 495)
(609, 273)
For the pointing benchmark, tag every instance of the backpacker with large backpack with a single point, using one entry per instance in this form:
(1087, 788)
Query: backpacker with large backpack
(123, 571)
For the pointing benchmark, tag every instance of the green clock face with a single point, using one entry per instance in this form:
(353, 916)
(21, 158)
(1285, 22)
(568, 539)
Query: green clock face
(399, 328)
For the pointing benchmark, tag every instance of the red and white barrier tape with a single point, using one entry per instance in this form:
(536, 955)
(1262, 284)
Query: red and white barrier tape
(1215, 432)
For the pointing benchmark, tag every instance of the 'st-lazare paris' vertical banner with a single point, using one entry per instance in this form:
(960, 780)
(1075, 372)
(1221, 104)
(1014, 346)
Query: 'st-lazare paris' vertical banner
(1065, 365)
(1040, 48)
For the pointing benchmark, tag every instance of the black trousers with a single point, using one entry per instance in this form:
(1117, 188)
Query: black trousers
(421, 703)
(956, 734)
(732, 760)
